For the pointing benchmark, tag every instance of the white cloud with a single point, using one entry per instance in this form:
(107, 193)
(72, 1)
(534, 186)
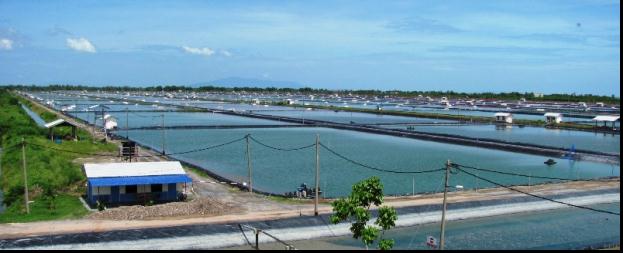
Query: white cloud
(226, 53)
(6, 44)
(200, 51)
(81, 44)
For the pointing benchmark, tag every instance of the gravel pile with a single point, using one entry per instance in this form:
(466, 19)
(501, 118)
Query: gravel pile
(195, 207)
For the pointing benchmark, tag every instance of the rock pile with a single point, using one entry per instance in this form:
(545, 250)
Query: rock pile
(197, 207)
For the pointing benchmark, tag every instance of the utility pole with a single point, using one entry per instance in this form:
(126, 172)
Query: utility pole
(249, 165)
(92, 125)
(163, 134)
(104, 123)
(127, 132)
(317, 174)
(445, 203)
(25, 175)
(0, 162)
(413, 184)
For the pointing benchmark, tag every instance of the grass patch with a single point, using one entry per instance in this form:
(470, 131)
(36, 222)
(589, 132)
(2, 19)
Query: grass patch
(66, 207)
(50, 172)
(198, 171)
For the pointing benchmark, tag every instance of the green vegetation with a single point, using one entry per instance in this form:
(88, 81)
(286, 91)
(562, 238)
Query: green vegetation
(356, 209)
(54, 179)
(65, 207)
(46, 115)
(589, 98)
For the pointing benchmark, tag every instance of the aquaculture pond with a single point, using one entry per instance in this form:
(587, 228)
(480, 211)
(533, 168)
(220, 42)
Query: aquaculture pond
(602, 142)
(282, 171)
(352, 117)
(152, 119)
(566, 228)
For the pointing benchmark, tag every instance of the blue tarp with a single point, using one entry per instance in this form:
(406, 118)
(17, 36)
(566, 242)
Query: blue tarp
(113, 181)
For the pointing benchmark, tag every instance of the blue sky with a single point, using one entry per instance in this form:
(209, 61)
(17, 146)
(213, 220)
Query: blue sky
(475, 46)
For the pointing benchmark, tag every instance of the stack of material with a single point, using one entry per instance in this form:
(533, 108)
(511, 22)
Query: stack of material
(196, 207)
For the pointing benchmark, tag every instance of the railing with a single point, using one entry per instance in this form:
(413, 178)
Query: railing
(257, 232)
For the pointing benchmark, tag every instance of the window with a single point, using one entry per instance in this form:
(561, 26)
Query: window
(156, 188)
(130, 189)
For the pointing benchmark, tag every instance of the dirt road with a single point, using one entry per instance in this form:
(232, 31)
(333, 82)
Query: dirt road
(270, 210)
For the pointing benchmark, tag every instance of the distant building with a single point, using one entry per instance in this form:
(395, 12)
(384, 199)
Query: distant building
(60, 123)
(130, 183)
(553, 117)
(504, 117)
(607, 118)
(110, 122)
(537, 95)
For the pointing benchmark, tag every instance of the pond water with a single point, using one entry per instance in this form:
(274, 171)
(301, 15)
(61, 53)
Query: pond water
(566, 228)
(40, 122)
(355, 117)
(279, 171)
(148, 119)
(557, 138)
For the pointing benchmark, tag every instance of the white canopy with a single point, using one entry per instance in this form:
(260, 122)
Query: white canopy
(54, 123)
(95, 170)
(503, 114)
(609, 118)
(553, 114)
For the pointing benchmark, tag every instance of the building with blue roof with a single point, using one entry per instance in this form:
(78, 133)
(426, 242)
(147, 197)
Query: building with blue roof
(132, 183)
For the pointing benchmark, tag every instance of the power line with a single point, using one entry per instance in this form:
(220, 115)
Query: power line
(537, 196)
(18, 145)
(523, 175)
(374, 168)
(280, 149)
(70, 151)
(210, 147)
(144, 116)
(109, 155)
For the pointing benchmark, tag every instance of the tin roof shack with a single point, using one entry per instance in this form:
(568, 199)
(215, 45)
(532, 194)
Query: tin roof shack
(60, 123)
(553, 118)
(504, 117)
(134, 183)
(607, 118)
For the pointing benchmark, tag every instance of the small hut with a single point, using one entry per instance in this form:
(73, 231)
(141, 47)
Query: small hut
(60, 123)
(607, 119)
(553, 117)
(504, 117)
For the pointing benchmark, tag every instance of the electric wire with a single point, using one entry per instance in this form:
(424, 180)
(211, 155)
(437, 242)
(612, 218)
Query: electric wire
(280, 149)
(375, 168)
(109, 155)
(523, 175)
(537, 196)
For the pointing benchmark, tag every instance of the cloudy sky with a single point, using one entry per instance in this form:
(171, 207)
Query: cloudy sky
(544, 46)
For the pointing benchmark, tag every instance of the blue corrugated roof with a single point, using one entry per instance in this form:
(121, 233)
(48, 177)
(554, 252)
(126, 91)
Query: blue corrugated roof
(112, 181)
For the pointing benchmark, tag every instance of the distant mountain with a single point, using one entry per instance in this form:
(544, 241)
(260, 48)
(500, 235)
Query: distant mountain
(249, 82)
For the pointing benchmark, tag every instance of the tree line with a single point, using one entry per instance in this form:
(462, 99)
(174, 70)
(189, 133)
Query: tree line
(558, 97)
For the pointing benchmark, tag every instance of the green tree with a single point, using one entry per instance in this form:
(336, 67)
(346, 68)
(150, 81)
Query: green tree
(356, 210)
